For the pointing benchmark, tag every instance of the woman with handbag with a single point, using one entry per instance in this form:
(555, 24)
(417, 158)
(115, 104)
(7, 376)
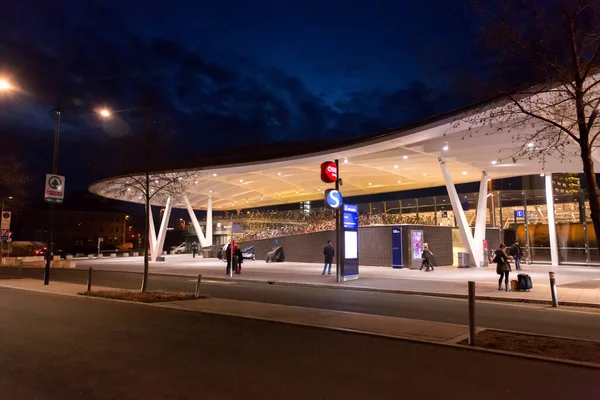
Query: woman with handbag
(502, 266)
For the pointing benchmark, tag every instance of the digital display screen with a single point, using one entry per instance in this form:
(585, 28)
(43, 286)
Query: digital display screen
(416, 244)
(351, 244)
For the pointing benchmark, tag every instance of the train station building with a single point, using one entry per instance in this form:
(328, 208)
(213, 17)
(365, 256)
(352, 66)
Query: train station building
(547, 213)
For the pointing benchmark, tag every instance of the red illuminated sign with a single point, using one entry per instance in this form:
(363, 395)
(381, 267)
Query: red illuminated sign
(328, 172)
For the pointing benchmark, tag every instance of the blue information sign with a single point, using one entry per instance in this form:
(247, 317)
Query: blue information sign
(396, 247)
(350, 216)
(350, 220)
(350, 240)
(519, 213)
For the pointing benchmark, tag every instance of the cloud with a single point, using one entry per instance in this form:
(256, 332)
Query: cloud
(206, 103)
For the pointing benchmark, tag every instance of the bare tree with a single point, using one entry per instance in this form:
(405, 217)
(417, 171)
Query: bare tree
(558, 43)
(151, 188)
(142, 183)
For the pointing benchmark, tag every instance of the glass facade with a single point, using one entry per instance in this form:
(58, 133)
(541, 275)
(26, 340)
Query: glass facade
(521, 215)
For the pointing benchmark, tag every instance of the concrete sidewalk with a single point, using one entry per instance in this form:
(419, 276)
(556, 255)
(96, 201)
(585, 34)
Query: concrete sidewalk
(366, 323)
(55, 287)
(576, 285)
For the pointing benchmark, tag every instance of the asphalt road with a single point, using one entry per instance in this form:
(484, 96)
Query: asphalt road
(570, 322)
(55, 347)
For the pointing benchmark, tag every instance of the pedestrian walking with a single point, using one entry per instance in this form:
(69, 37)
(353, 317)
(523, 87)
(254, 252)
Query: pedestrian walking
(427, 258)
(328, 252)
(516, 253)
(502, 266)
(238, 257)
(194, 249)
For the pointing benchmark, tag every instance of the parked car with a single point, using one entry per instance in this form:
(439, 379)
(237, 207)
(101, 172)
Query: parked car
(248, 253)
(178, 249)
(40, 252)
(125, 246)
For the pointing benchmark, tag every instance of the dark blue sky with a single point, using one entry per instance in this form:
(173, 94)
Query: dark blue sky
(248, 71)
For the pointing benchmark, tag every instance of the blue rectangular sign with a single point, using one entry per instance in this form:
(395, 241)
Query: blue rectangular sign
(396, 247)
(519, 213)
(352, 208)
(350, 216)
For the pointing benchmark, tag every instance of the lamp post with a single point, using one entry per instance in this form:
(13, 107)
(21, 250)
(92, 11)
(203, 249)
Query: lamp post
(50, 251)
(49, 254)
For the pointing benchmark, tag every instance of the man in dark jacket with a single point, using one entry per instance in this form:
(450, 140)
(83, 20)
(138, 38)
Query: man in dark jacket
(516, 253)
(328, 252)
(229, 257)
(194, 249)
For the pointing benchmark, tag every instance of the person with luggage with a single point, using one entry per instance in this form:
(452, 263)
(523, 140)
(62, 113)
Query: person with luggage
(194, 249)
(517, 254)
(502, 266)
(328, 252)
(427, 254)
(238, 259)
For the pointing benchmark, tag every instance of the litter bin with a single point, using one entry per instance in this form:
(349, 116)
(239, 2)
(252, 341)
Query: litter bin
(206, 252)
(463, 259)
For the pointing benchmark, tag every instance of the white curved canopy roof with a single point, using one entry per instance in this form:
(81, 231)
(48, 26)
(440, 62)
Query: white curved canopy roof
(401, 160)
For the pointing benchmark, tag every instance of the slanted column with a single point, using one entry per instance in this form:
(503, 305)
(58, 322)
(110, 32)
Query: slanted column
(459, 213)
(201, 239)
(162, 233)
(152, 232)
(209, 223)
(551, 221)
(481, 215)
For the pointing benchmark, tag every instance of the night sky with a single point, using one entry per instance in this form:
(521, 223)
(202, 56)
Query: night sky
(222, 72)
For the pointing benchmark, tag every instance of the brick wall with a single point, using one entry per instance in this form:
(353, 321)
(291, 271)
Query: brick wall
(439, 239)
(374, 245)
(307, 247)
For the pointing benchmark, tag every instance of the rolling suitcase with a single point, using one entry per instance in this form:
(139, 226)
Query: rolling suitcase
(524, 282)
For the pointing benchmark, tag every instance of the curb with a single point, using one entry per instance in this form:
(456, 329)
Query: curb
(449, 344)
(363, 289)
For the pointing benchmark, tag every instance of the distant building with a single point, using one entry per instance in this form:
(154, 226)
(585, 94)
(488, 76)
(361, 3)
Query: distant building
(561, 183)
(79, 222)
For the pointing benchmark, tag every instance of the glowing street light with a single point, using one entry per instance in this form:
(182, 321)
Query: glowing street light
(5, 86)
(104, 113)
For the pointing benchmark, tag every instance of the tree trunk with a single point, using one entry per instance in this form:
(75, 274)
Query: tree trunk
(592, 187)
(146, 234)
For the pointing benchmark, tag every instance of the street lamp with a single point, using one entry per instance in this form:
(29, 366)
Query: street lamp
(5, 86)
(105, 113)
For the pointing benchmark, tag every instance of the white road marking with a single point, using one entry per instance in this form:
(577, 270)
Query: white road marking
(209, 281)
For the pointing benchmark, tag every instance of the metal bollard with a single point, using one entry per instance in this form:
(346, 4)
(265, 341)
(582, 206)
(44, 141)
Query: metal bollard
(472, 330)
(553, 290)
(89, 280)
(198, 286)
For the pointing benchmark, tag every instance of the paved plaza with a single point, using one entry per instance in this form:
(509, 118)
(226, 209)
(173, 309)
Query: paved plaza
(575, 284)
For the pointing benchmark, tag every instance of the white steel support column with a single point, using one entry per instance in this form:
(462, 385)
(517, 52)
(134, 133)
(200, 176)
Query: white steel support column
(209, 223)
(461, 219)
(551, 221)
(152, 232)
(481, 215)
(162, 233)
(201, 239)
